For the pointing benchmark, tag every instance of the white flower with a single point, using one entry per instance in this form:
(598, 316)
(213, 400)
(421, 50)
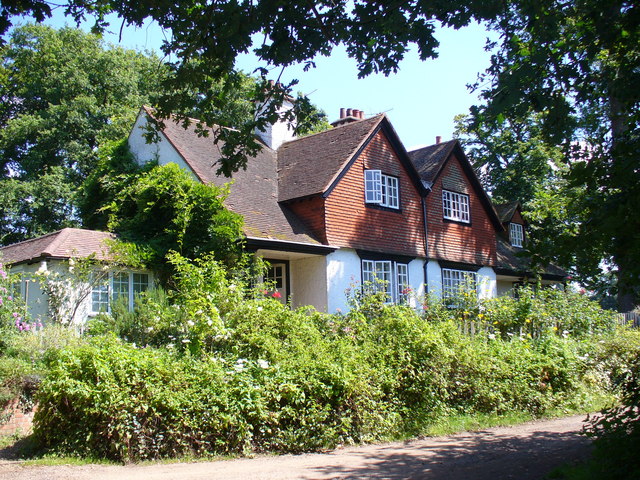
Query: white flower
(209, 322)
(149, 329)
(186, 340)
(190, 323)
(259, 309)
(263, 364)
(492, 336)
(232, 286)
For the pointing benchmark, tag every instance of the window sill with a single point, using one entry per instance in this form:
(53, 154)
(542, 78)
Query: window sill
(459, 222)
(383, 208)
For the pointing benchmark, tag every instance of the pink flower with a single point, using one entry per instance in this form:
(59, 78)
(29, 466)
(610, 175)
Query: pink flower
(276, 295)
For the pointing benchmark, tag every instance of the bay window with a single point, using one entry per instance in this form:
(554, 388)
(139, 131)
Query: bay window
(386, 276)
(123, 286)
(456, 282)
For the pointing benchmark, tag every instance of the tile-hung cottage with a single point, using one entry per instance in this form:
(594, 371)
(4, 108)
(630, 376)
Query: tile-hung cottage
(350, 205)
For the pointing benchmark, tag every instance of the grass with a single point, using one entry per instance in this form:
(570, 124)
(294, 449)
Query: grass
(457, 423)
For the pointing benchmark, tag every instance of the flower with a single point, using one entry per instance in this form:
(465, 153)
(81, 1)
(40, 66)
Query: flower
(263, 364)
(276, 295)
(259, 309)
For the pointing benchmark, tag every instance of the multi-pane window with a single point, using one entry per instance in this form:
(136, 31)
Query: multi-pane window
(402, 276)
(115, 286)
(455, 282)
(381, 189)
(386, 276)
(120, 284)
(100, 295)
(516, 234)
(455, 206)
(390, 197)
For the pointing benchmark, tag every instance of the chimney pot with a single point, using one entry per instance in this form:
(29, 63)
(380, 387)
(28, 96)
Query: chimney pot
(438, 139)
(349, 112)
(356, 113)
(342, 113)
(361, 115)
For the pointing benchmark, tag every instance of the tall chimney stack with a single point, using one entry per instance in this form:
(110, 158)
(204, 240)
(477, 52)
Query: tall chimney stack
(342, 113)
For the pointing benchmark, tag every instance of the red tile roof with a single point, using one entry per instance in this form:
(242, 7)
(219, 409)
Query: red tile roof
(429, 160)
(309, 165)
(506, 210)
(65, 243)
(253, 192)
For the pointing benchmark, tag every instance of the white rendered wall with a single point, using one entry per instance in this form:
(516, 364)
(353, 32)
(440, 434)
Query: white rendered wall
(434, 279)
(416, 280)
(38, 302)
(32, 294)
(487, 283)
(280, 132)
(161, 151)
(309, 282)
(343, 271)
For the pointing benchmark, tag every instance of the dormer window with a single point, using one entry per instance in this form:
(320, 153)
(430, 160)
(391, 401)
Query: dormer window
(516, 234)
(381, 189)
(455, 206)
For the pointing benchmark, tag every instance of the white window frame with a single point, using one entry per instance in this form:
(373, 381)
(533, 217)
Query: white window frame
(516, 234)
(381, 189)
(373, 186)
(103, 291)
(402, 282)
(391, 276)
(455, 206)
(453, 279)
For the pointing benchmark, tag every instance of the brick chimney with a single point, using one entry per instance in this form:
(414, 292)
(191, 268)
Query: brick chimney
(348, 115)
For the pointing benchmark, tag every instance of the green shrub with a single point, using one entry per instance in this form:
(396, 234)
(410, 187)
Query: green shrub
(215, 366)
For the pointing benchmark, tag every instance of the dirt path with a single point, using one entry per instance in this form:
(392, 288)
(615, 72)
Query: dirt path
(523, 452)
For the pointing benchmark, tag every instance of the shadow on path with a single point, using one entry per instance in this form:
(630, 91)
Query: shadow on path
(480, 455)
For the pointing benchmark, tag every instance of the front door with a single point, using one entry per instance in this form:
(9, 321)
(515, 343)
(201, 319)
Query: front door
(277, 277)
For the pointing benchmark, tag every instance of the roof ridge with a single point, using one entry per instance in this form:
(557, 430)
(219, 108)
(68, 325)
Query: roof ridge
(333, 129)
(29, 240)
(60, 238)
(380, 117)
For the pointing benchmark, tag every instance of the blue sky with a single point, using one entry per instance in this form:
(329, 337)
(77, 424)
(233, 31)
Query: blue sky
(420, 100)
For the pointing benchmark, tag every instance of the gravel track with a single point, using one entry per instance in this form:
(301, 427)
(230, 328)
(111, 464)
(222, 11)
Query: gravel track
(524, 452)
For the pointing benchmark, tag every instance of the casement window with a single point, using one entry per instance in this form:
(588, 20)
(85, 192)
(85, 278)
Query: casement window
(386, 276)
(455, 282)
(381, 189)
(516, 234)
(455, 206)
(117, 285)
(402, 284)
